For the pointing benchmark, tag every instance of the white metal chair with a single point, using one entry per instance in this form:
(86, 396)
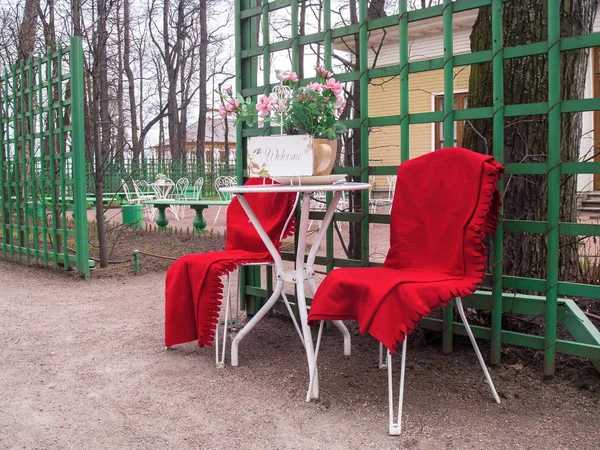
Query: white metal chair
(141, 189)
(130, 197)
(180, 194)
(422, 270)
(379, 202)
(318, 202)
(198, 185)
(221, 182)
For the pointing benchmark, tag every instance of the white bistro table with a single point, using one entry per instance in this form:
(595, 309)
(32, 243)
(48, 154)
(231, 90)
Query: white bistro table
(303, 272)
(162, 190)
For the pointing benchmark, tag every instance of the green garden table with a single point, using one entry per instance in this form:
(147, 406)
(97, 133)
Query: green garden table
(197, 205)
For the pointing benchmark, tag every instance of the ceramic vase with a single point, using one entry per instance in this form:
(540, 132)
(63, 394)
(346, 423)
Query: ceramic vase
(324, 154)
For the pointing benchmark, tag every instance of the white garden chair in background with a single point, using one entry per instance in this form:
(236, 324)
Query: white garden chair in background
(198, 185)
(129, 197)
(221, 182)
(385, 201)
(180, 194)
(142, 192)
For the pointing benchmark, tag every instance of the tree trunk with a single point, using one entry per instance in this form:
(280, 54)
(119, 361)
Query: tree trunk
(353, 149)
(135, 144)
(120, 143)
(28, 29)
(27, 35)
(203, 109)
(526, 137)
(76, 17)
(101, 121)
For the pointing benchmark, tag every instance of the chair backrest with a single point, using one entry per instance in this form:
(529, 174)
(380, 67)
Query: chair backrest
(125, 188)
(224, 181)
(272, 210)
(181, 186)
(391, 186)
(372, 188)
(198, 184)
(140, 187)
(439, 214)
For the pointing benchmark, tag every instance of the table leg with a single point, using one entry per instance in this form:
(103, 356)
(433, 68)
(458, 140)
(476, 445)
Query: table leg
(199, 221)
(162, 220)
(255, 319)
(297, 276)
(301, 277)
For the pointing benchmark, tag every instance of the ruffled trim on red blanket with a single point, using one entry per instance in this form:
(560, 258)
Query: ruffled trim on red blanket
(484, 221)
(212, 294)
(213, 288)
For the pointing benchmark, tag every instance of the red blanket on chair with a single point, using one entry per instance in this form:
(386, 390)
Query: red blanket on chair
(444, 203)
(193, 286)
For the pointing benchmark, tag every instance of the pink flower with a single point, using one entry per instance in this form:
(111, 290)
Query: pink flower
(317, 87)
(341, 108)
(321, 71)
(231, 106)
(265, 105)
(222, 112)
(335, 87)
(293, 77)
(228, 91)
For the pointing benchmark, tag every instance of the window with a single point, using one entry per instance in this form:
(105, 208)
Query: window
(460, 102)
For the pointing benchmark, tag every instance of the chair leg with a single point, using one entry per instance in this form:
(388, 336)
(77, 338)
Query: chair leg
(461, 311)
(220, 361)
(338, 323)
(382, 365)
(152, 213)
(346, 334)
(175, 210)
(217, 216)
(395, 426)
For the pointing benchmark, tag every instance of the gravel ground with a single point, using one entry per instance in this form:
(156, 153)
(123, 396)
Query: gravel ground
(83, 366)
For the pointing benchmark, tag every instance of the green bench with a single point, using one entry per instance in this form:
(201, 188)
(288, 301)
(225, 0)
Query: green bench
(197, 205)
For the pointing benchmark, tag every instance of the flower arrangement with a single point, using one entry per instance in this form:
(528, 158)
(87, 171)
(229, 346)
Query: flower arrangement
(161, 178)
(313, 109)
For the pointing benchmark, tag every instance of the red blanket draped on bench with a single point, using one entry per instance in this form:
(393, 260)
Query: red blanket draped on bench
(193, 286)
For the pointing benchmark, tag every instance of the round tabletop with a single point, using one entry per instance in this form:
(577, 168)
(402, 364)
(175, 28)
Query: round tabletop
(345, 186)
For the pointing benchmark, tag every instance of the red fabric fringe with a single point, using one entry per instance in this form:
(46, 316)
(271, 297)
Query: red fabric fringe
(444, 204)
(194, 289)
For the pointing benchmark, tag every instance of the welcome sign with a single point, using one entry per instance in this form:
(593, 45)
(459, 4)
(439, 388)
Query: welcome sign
(286, 156)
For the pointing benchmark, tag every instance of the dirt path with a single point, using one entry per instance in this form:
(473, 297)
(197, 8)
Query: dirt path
(83, 366)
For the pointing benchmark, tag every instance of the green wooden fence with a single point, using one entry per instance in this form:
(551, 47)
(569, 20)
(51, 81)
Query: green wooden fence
(42, 161)
(256, 48)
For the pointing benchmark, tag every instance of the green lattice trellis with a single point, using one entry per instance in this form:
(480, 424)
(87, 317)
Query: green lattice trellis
(250, 18)
(42, 165)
